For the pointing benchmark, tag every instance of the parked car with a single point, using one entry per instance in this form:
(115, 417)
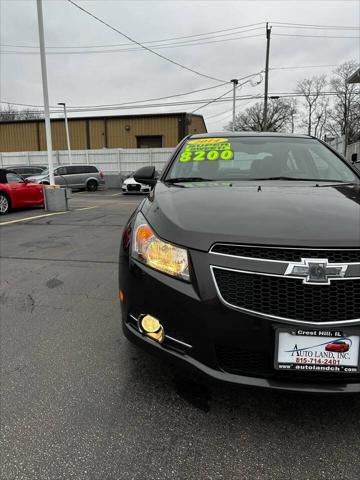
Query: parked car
(27, 170)
(17, 192)
(130, 185)
(74, 176)
(247, 249)
(337, 346)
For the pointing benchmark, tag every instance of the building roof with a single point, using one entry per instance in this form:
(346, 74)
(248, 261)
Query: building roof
(355, 77)
(107, 117)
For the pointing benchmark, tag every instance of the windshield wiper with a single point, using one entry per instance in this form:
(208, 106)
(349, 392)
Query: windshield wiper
(188, 179)
(299, 179)
(285, 178)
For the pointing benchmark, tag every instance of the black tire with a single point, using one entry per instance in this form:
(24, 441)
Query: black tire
(45, 183)
(4, 203)
(92, 185)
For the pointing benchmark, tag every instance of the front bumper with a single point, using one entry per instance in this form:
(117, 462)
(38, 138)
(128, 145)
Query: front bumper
(211, 338)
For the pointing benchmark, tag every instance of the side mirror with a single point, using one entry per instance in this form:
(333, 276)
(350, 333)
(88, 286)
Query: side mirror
(26, 180)
(145, 175)
(354, 158)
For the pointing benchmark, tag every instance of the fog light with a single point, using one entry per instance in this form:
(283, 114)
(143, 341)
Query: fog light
(152, 328)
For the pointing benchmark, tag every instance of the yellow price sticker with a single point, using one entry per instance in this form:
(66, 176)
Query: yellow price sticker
(205, 141)
(200, 155)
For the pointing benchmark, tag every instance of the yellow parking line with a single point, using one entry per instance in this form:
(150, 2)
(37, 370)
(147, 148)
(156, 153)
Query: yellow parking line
(32, 218)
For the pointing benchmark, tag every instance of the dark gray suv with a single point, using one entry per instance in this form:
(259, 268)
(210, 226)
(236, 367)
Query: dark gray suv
(74, 176)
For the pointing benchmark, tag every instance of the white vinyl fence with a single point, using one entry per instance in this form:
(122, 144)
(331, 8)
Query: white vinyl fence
(338, 144)
(111, 161)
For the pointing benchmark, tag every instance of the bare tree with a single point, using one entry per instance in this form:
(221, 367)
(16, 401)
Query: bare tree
(279, 117)
(345, 114)
(10, 113)
(311, 89)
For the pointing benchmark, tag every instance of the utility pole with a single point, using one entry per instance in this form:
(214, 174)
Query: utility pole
(235, 82)
(67, 132)
(268, 33)
(45, 91)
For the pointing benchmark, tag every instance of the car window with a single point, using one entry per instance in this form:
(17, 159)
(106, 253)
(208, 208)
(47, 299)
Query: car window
(21, 171)
(13, 178)
(250, 158)
(90, 169)
(61, 171)
(76, 169)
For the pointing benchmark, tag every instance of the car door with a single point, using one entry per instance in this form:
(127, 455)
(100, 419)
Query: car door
(34, 193)
(19, 192)
(71, 176)
(60, 174)
(80, 176)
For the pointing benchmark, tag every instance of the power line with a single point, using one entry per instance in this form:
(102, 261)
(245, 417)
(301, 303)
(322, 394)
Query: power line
(122, 50)
(248, 79)
(335, 27)
(143, 46)
(308, 36)
(233, 31)
(230, 111)
(151, 41)
(124, 103)
(212, 101)
(183, 103)
(114, 106)
(303, 66)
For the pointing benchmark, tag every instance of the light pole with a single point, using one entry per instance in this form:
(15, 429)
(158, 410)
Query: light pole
(45, 91)
(235, 82)
(67, 132)
(268, 34)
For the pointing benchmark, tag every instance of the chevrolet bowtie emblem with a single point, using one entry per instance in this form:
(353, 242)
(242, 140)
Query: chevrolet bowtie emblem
(316, 271)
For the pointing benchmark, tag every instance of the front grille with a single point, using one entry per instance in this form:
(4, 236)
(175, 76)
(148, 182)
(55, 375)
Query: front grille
(239, 361)
(290, 298)
(288, 254)
(134, 188)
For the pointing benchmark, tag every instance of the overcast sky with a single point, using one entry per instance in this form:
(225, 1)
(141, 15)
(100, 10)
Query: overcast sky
(118, 77)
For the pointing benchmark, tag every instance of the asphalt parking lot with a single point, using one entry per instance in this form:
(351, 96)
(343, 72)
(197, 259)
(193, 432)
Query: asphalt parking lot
(79, 402)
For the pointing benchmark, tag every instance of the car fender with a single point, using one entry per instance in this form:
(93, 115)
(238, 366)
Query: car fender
(92, 178)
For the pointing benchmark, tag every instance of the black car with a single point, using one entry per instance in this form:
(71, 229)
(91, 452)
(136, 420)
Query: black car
(243, 264)
(26, 170)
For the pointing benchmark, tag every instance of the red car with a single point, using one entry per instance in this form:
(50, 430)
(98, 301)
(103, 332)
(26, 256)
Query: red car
(15, 192)
(337, 346)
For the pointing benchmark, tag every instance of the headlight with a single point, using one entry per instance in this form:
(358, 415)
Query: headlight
(160, 255)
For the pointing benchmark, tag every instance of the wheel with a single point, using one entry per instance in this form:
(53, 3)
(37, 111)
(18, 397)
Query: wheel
(44, 183)
(4, 203)
(92, 185)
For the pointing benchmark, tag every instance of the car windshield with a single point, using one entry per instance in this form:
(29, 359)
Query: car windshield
(258, 158)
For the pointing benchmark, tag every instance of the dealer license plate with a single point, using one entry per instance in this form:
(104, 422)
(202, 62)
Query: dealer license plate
(317, 351)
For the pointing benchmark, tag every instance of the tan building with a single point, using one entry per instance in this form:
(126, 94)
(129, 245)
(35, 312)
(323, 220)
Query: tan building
(127, 131)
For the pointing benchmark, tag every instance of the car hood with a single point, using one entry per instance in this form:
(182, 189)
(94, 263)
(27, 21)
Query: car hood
(130, 181)
(37, 178)
(281, 213)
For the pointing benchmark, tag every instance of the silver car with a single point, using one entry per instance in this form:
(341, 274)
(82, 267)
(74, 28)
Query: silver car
(130, 185)
(74, 176)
